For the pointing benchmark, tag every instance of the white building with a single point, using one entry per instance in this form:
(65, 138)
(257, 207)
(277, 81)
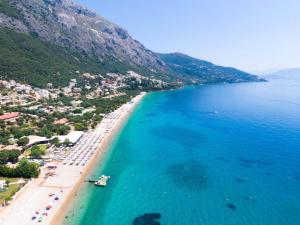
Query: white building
(23, 88)
(36, 140)
(2, 184)
(42, 93)
(73, 137)
(49, 85)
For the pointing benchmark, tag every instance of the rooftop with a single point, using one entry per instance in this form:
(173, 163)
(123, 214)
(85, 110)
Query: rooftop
(9, 116)
(36, 140)
(73, 136)
(61, 121)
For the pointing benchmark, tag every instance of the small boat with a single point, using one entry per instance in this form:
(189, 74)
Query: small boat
(102, 182)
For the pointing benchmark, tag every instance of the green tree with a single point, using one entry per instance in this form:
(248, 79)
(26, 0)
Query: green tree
(54, 141)
(3, 157)
(13, 155)
(62, 130)
(2, 124)
(81, 126)
(77, 111)
(16, 132)
(20, 121)
(6, 171)
(26, 169)
(23, 141)
(36, 152)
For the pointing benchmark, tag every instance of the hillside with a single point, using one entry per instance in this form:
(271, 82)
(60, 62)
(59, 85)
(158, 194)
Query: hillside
(33, 61)
(293, 72)
(204, 71)
(45, 41)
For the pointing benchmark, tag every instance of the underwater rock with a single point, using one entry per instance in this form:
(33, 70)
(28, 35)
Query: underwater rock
(257, 162)
(147, 219)
(297, 178)
(231, 206)
(151, 114)
(183, 136)
(190, 174)
(244, 160)
(239, 180)
(222, 159)
(246, 165)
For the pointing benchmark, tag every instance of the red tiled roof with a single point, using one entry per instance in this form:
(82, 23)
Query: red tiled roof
(9, 116)
(61, 121)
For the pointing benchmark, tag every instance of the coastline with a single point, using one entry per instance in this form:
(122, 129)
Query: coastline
(35, 195)
(101, 151)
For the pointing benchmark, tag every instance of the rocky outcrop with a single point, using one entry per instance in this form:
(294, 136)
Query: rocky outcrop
(9, 22)
(69, 25)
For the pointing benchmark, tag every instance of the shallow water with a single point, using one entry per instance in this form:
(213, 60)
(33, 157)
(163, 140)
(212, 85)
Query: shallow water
(210, 155)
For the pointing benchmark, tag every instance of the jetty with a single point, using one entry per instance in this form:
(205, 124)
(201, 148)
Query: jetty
(92, 180)
(101, 181)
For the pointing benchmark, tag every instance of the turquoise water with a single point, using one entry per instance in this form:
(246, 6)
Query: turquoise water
(210, 155)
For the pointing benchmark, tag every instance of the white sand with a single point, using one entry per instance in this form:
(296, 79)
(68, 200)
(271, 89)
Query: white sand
(68, 179)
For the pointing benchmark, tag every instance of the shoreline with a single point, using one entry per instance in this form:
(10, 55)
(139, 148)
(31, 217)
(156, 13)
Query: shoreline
(35, 195)
(101, 151)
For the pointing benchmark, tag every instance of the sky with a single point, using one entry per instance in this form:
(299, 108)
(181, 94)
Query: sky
(253, 35)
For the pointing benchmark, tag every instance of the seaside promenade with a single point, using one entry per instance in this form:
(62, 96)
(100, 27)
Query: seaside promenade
(46, 200)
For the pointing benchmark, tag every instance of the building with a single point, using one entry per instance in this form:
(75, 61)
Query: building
(42, 93)
(49, 85)
(77, 90)
(62, 121)
(10, 116)
(73, 137)
(2, 184)
(37, 140)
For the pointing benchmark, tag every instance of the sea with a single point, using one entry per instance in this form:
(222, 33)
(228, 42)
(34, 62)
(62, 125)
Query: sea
(224, 154)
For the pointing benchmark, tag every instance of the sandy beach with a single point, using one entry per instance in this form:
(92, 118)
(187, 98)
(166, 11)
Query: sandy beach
(58, 192)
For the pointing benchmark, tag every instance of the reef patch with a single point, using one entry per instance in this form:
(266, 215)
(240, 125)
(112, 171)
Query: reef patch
(190, 174)
(231, 206)
(147, 219)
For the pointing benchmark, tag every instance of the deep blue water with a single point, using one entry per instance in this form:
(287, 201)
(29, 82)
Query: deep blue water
(209, 155)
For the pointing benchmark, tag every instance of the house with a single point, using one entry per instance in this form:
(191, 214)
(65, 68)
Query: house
(10, 116)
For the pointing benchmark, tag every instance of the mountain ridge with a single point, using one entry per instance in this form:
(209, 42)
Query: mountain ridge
(285, 72)
(197, 68)
(78, 30)
(70, 25)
